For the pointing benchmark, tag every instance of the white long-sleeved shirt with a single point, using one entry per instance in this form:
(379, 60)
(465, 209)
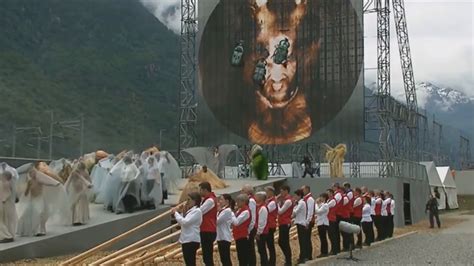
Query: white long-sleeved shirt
(366, 213)
(271, 206)
(207, 205)
(243, 216)
(309, 209)
(372, 206)
(262, 220)
(392, 207)
(331, 203)
(283, 208)
(299, 213)
(190, 225)
(321, 211)
(357, 202)
(338, 197)
(224, 221)
(253, 213)
(385, 202)
(345, 200)
(350, 195)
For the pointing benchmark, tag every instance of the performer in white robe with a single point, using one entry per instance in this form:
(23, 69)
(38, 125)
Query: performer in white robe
(99, 175)
(170, 171)
(77, 187)
(8, 215)
(154, 175)
(110, 189)
(36, 212)
(129, 192)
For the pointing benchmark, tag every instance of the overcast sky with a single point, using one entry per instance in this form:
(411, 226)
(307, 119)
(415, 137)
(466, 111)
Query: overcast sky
(441, 39)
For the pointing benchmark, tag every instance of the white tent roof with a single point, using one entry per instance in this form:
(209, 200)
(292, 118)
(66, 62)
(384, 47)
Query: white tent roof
(433, 176)
(446, 177)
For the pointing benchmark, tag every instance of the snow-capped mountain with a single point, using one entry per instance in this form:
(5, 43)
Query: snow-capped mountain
(447, 99)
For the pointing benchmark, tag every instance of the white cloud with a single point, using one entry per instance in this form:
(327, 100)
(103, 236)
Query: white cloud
(441, 40)
(166, 11)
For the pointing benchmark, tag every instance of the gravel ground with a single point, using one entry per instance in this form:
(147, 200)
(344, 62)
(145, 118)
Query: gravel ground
(451, 246)
(451, 221)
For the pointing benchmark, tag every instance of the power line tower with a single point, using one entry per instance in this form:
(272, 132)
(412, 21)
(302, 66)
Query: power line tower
(464, 152)
(187, 93)
(437, 141)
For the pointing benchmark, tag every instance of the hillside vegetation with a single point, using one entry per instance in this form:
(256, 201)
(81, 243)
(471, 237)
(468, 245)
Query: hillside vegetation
(110, 60)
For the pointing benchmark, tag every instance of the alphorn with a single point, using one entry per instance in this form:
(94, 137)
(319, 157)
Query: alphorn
(135, 251)
(79, 258)
(169, 255)
(150, 256)
(137, 244)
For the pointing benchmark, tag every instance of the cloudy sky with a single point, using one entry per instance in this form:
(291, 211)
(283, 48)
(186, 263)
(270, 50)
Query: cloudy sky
(441, 38)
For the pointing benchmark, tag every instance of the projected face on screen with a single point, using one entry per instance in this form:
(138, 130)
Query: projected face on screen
(258, 68)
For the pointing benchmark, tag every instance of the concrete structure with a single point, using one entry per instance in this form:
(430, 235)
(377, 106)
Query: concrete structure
(62, 240)
(410, 194)
(465, 182)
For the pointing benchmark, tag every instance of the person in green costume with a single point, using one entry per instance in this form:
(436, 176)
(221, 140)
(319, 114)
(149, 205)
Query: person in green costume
(259, 163)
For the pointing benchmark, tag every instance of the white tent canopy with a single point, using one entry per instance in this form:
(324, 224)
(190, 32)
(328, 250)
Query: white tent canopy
(449, 186)
(435, 183)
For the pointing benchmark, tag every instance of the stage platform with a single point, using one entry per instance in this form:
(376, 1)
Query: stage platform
(62, 240)
(235, 185)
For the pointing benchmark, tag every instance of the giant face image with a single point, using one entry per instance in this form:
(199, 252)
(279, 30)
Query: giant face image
(258, 62)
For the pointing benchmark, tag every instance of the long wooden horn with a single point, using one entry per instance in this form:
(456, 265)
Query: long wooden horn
(79, 258)
(137, 244)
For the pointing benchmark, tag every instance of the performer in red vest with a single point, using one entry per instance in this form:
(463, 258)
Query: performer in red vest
(378, 215)
(272, 223)
(309, 201)
(357, 213)
(391, 213)
(208, 226)
(248, 190)
(342, 213)
(333, 224)
(299, 213)
(262, 226)
(241, 222)
(285, 209)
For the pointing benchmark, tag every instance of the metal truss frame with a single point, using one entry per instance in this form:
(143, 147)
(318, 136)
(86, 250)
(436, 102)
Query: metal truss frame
(188, 65)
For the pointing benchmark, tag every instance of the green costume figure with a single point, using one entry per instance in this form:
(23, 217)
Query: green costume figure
(259, 163)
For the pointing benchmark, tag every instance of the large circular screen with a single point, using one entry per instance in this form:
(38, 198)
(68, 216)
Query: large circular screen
(277, 71)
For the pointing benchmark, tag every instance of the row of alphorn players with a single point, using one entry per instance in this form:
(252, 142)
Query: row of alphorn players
(256, 217)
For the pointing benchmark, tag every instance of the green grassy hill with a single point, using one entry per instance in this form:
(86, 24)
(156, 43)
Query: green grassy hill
(109, 59)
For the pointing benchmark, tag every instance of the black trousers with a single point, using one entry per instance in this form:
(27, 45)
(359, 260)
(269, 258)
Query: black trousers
(242, 246)
(271, 247)
(346, 238)
(323, 238)
(385, 227)
(284, 242)
(207, 245)
(378, 225)
(391, 226)
(436, 216)
(262, 249)
(356, 221)
(334, 237)
(189, 253)
(252, 255)
(302, 233)
(308, 171)
(368, 228)
(309, 243)
(224, 252)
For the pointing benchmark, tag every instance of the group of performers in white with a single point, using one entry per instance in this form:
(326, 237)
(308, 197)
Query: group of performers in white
(256, 217)
(31, 199)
